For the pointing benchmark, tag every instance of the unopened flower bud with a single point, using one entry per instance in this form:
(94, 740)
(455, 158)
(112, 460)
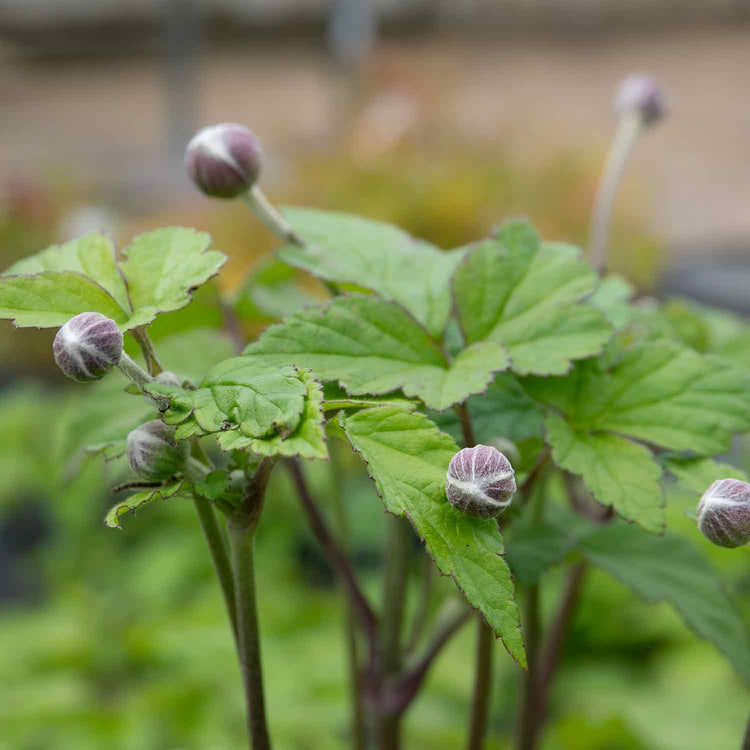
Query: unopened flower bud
(642, 94)
(480, 481)
(508, 449)
(153, 452)
(87, 346)
(224, 160)
(724, 513)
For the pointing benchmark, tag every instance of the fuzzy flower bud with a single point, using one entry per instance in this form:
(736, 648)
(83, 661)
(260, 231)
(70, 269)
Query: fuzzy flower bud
(87, 346)
(480, 481)
(153, 452)
(642, 94)
(724, 513)
(224, 160)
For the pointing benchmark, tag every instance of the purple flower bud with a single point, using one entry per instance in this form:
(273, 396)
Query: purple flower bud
(153, 452)
(642, 94)
(224, 160)
(480, 481)
(724, 513)
(87, 346)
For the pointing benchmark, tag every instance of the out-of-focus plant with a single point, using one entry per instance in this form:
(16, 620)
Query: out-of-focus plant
(511, 343)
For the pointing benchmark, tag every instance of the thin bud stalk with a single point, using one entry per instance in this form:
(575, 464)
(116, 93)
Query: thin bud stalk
(270, 216)
(133, 371)
(629, 127)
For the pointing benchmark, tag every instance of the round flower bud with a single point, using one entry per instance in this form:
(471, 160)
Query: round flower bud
(480, 481)
(642, 94)
(724, 513)
(87, 346)
(153, 452)
(223, 160)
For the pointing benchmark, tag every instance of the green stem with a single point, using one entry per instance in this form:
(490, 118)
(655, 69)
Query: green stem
(423, 607)
(394, 599)
(628, 129)
(480, 702)
(746, 739)
(147, 347)
(219, 557)
(134, 371)
(270, 216)
(528, 718)
(242, 541)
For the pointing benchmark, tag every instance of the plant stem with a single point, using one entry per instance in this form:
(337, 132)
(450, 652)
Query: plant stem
(357, 703)
(394, 599)
(134, 371)
(628, 129)
(528, 716)
(147, 347)
(242, 540)
(270, 216)
(336, 558)
(746, 739)
(480, 702)
(423, 607)
(219, 557)
(550, 656)
(467, 428)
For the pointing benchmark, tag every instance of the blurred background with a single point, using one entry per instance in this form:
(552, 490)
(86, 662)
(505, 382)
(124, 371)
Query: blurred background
(444, 116)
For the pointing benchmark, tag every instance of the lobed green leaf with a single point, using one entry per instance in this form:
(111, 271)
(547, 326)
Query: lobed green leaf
(141, 499)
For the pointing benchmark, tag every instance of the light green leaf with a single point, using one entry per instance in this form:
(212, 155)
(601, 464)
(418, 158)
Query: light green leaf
(661, 392)
(612, 296)
(92, 255)
(522, 293)
(349, 249)
(408, 458)
(698, 474)
(371, 346)
(307, 439)
(163, 266)
(617, 471)
(51, 298)
(242, 394)
(140, 499)
(670, 569)
(335, 398)
(214, 485)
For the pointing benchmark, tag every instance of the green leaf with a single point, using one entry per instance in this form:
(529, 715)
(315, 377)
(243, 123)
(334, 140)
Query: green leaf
(242, 394)
(92, 255)
(371, 346)
(660, 392)
(140, 499)
(373, 255)
(307, 439)
(408, 459)
(670, 569)
(617, 471)
(213, 486)
(163, 266)
(52, 298)
(534, 547)
(335, 398)
(698, 474)
(523, 293)
(612, 297)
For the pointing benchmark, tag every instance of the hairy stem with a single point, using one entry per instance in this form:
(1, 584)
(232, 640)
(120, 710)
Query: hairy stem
(480, 702)
(628, 129)
(394, 600)
(270, 216)
(242, 541)
(147, 347)
(528, 716)
(550, 655)
(219, 557)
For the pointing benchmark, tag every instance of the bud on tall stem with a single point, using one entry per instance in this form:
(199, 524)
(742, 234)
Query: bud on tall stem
(640, 103)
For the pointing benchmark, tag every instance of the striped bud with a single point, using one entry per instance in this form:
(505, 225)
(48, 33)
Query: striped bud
(724, 513)
(480, 481)
(87, 346)
(153, 452)
(224, 160)
(642, 94)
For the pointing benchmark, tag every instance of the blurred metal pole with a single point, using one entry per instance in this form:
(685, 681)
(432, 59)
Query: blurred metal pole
(352, 28)
(180, 66)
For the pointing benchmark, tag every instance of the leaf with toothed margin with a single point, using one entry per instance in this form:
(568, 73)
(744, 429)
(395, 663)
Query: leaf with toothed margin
(408, 457)
(140, 499)
(371, 346)
(524, 294)
(698, 474)
(335, 398)
(349, 249)
(243, 394)
(307, 440)
(163, 266)
(617, 471)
